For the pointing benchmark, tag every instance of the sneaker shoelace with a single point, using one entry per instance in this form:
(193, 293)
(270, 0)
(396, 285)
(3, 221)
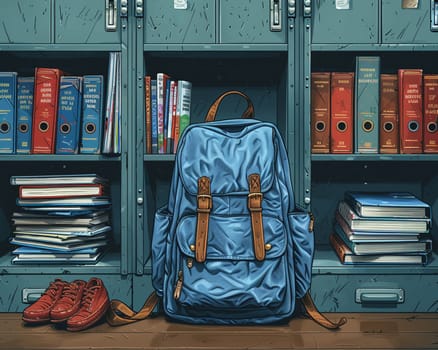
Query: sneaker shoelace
(69, 293)
(87, 298)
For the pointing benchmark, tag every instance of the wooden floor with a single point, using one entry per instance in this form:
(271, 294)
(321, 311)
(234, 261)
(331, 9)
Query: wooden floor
(362, 331)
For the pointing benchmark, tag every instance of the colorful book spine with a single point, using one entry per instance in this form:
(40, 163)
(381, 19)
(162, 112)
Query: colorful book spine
(69, 115)
(170, 118)
(148, 114)
(366, 116)
(341, 123)
(411, 110)
(154, 116)
(184, 100)
(25, 87)
(92, 115)
(161, 103)
(430, 110)
(45, 110)
(389, 117)
(8, 99)
(320, 112)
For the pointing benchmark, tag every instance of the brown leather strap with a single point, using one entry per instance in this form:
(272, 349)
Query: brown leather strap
(255, 209)
(248, 113)
(119, 313)
(313, 312)
(204, 208)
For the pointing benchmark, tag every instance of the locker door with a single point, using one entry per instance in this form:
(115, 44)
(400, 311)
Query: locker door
(25, 22)
(84, 22)
(180, 22)
(249, 21)
(345, 22)
(409, 25)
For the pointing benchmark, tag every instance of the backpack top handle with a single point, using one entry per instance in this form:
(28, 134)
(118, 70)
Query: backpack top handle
(247, 114)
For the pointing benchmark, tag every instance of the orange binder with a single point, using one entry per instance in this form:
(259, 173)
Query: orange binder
(46, 94)
(389, 119)
(320, 112)
(341, 129)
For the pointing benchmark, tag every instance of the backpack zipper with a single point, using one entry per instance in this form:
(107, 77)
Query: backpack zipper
(179, 284)
(311, 222)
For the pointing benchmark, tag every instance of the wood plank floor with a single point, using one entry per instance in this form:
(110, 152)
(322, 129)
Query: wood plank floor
(362, 331)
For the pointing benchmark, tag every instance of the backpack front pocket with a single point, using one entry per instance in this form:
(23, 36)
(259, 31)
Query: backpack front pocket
(231, 278)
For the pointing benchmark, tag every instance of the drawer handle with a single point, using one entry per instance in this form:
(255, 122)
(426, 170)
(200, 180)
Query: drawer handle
(365, 295)
(30, 295)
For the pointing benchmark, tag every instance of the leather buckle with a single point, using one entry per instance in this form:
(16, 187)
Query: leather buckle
(204, 203)
(255, 201)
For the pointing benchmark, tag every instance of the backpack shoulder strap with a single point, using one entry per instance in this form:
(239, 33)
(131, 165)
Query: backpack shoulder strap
(319, 318)
(119, 313)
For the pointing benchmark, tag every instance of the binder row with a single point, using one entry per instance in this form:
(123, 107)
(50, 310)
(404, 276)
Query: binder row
(54, 113)
(369, 112)
(167, 112)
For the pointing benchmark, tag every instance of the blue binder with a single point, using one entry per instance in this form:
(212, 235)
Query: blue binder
(25, 87)
(92, 115)
(8, 95)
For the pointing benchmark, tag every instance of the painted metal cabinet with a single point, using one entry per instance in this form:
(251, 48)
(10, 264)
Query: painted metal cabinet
(25, 21)
(345, 22)
(214, 22)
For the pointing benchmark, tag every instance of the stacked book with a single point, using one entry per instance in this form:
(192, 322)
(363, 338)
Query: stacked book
(61, 218)
(382, 228)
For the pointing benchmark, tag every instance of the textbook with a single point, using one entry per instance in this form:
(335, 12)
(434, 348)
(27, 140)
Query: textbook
(57, 179)
(356, 222)
(388, 204)
(63, 191)
(347, 257)
(83, 201)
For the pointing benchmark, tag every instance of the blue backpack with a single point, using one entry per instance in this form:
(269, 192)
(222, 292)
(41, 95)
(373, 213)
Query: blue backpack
(230, 247)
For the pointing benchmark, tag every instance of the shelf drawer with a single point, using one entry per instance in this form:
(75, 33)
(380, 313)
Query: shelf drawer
(19, 291)
(25, 22)
(407, 25)
(335, 24)
(375, 293)
(84, 22)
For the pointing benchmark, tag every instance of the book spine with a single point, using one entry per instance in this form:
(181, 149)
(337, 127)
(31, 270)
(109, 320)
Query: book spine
(320, 112)
(430, 126)
(69, 113)
(45, 110)
(389, 116)
(148, 123)
(161, 100)
(411, 110)
(25, 87)
(108, 126)
(154, 116)
(183, 108)
(92, 114)
(170, 119)
(8, 99)
(366, 116)
(341, 124)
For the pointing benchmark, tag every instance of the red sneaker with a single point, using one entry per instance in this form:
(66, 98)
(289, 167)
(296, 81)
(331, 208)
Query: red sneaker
(94, 305)
(69, 302)
(39, 311)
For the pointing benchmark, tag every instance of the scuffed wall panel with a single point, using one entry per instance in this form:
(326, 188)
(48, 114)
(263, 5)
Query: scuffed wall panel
(334, 24)
(166, 23)
(248, 21)
(83, 21)
(408, 26)
(25, 21)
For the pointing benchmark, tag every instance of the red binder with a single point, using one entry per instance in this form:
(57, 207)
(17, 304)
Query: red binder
(411, 110)
(341, 124)
(46, 94)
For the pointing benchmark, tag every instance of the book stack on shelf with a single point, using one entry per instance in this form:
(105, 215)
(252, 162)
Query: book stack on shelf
(369, 111)
(61, 219)
(382, 228)
(55, 113)
(168, 103)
